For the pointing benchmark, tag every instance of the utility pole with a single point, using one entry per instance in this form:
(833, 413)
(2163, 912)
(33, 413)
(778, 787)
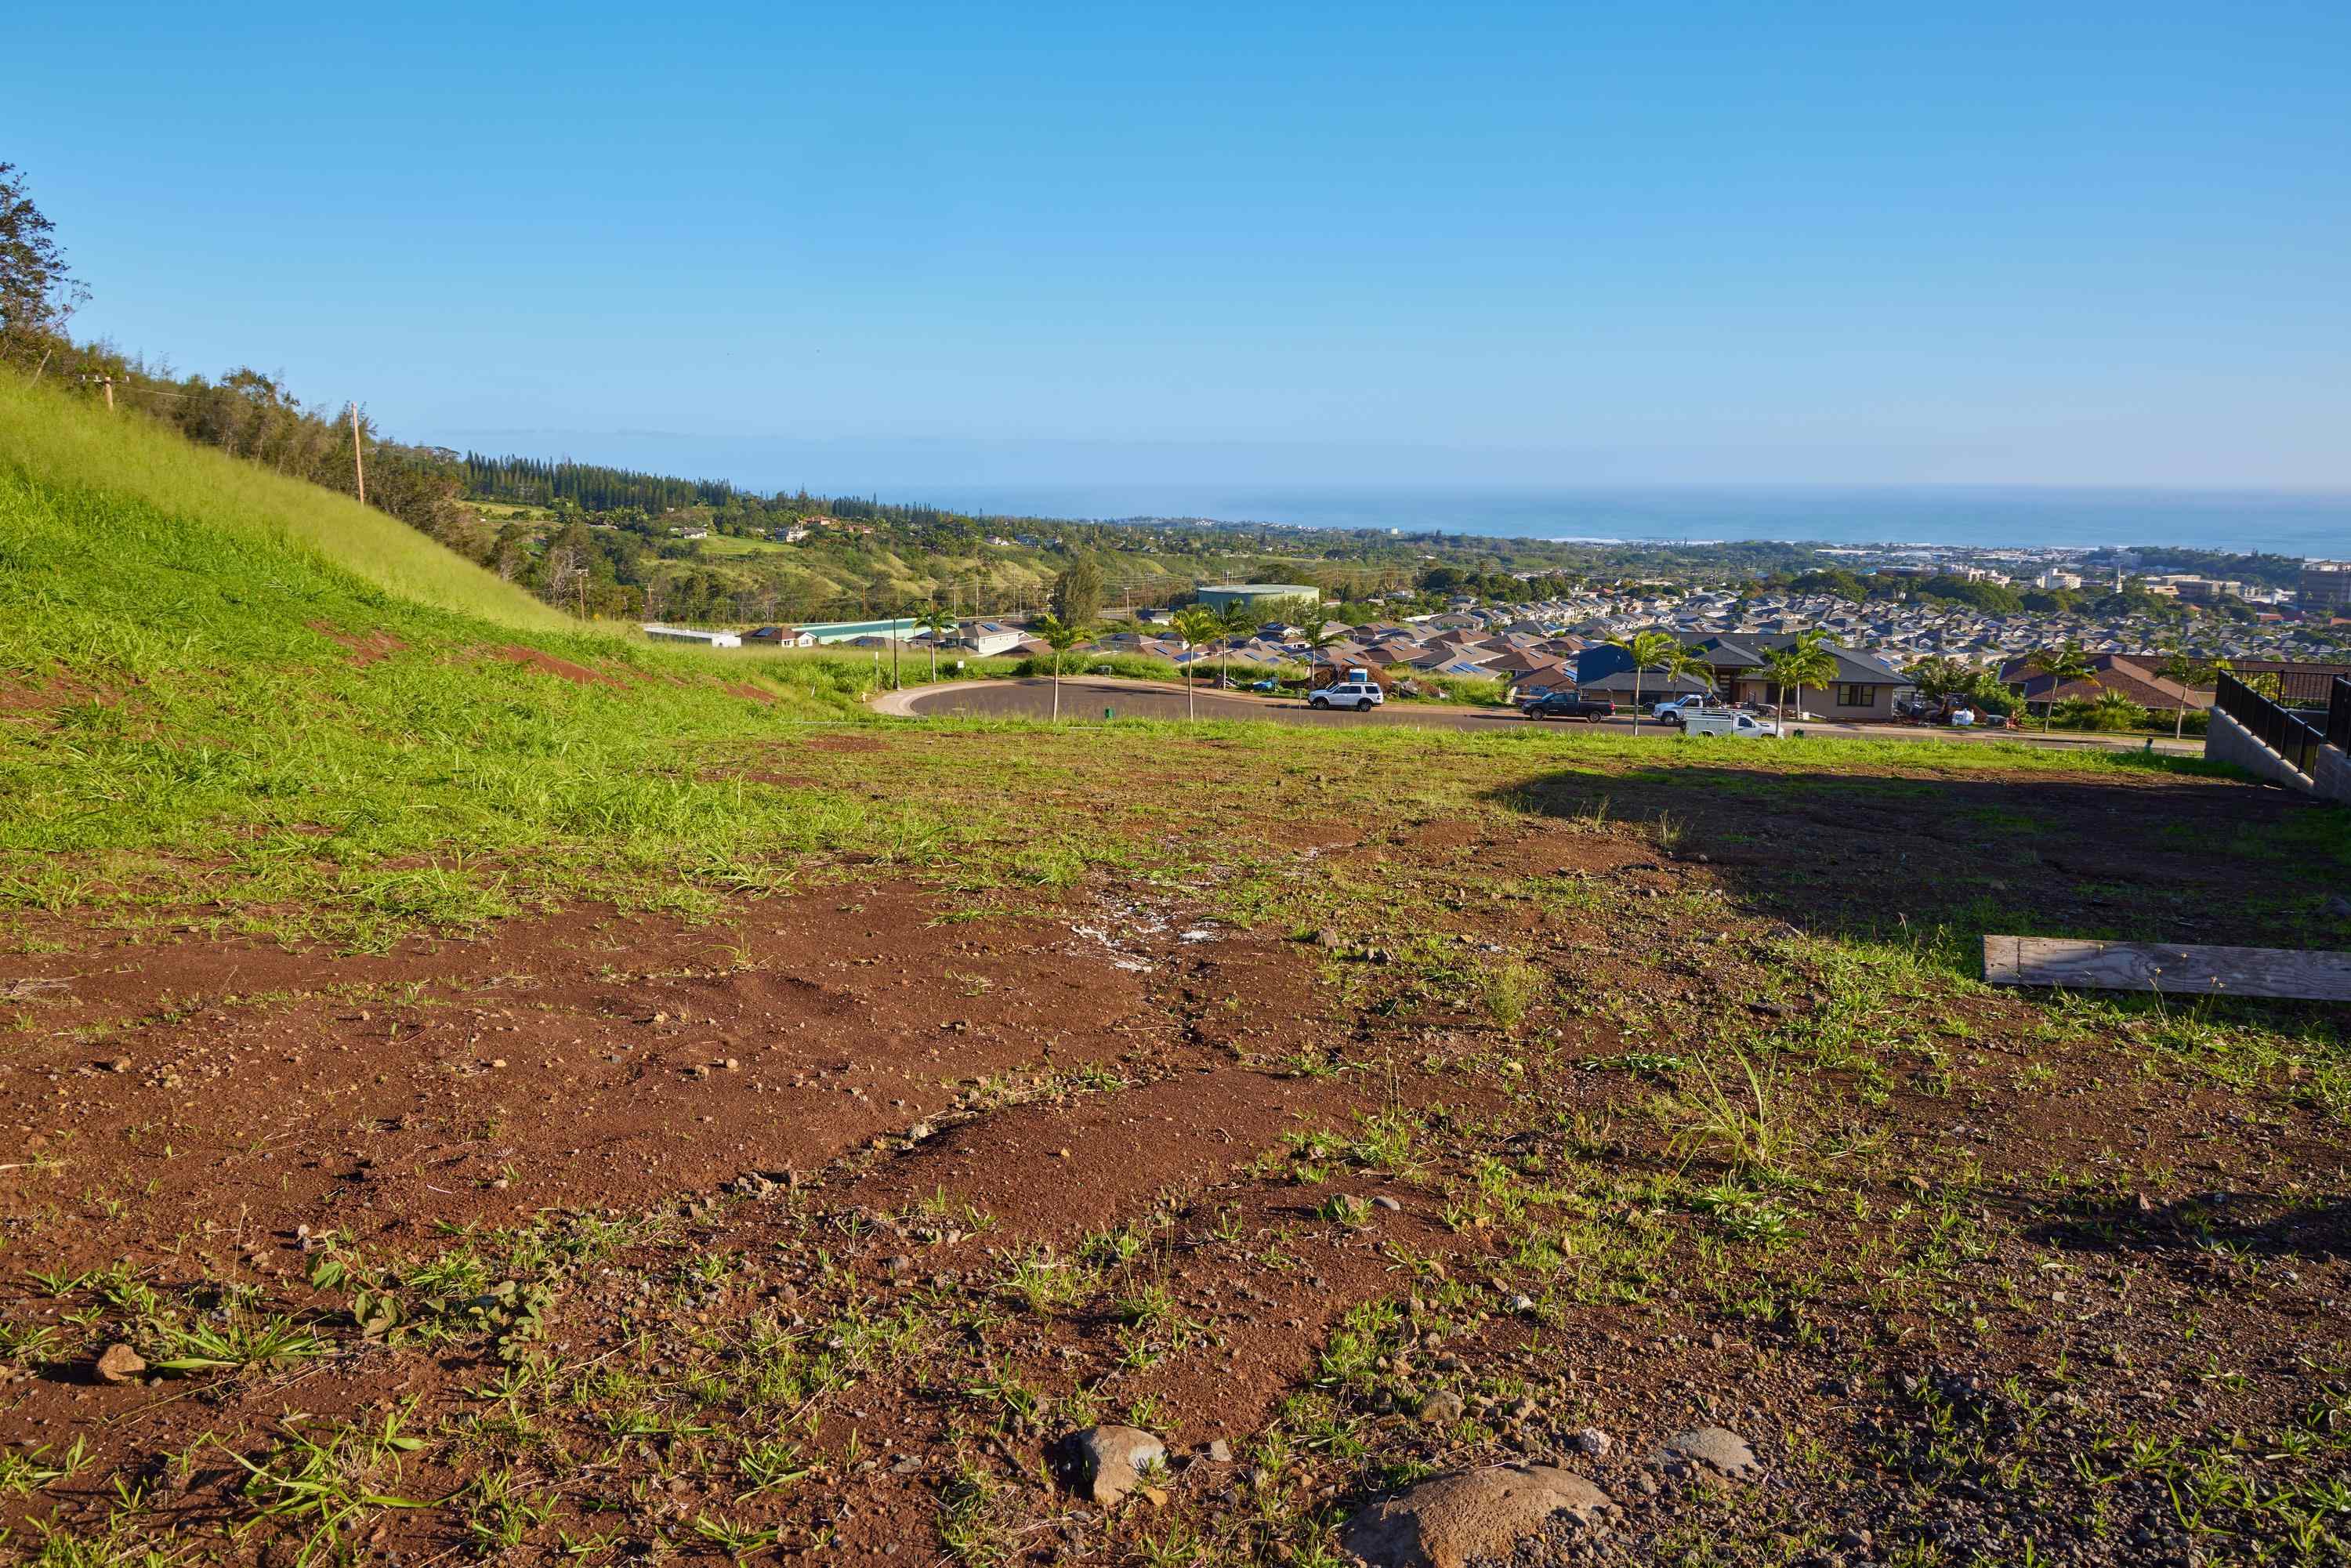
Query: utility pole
(896, 615)
(359, 468)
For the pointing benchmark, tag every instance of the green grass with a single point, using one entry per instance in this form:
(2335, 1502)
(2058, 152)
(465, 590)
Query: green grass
(186, 730)
(75, 443)
(183, 728)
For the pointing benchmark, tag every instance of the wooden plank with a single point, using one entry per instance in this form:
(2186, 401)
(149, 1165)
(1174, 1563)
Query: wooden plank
(2167, 966)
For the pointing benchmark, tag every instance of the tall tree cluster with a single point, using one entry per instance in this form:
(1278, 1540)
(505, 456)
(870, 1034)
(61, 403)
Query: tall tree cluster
(37, 291)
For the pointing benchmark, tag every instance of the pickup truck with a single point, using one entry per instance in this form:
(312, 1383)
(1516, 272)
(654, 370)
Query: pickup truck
(1567, 705)
(1357, 695)
(1676, 709)
(1725, 721)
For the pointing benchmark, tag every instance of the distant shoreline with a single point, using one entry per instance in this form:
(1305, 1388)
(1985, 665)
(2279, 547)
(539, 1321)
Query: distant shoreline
(2307, 525)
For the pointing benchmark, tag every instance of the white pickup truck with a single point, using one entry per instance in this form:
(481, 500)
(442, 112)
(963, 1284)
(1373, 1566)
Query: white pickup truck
(1725, 721)
(1676, 709)
(1356, 695)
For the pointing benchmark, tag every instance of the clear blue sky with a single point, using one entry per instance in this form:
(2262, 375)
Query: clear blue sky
(2083, 243)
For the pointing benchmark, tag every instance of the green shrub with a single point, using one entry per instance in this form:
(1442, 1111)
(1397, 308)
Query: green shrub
(2109, 712)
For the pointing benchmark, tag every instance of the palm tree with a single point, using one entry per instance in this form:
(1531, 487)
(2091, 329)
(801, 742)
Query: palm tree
(1061, 636)
(1318, 639)
(1233, 620)
(1804, 663)
(2178, 664)
(1686, 662)
(937, 623)
(1199, 626)
(1656, 651)
(2067, 663)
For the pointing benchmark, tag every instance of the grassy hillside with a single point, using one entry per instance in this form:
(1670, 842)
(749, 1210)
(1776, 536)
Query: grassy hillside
(222, 688)
(71, 441)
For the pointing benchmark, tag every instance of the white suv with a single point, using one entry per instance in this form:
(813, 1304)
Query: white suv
(1356, 695)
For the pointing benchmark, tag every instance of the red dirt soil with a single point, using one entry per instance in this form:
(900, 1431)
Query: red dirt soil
(364, 649)
(549, 664)
(842, 1103)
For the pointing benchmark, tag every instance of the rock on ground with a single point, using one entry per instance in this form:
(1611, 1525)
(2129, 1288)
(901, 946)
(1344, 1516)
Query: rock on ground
(1708, 1453)
(1450, 1521)
(1108, 1462)
(117, 1363)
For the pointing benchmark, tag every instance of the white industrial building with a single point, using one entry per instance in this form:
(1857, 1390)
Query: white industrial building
(693, 634)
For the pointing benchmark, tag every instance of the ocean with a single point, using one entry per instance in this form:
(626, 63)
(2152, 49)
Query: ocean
(2276, 522)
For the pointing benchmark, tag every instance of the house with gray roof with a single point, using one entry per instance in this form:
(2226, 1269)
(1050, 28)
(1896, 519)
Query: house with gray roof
(1864, 690)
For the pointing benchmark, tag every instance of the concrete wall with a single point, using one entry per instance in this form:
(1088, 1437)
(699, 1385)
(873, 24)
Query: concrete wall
(2334, 778)
(2226, 740)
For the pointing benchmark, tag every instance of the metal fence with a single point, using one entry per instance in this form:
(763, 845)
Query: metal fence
(2338, 714)
(2295, 734)
(2293, 688)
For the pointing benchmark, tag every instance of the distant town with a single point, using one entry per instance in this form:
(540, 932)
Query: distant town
(2046, 632)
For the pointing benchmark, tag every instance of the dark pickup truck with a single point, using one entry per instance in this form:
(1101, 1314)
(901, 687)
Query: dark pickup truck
(1567, 705)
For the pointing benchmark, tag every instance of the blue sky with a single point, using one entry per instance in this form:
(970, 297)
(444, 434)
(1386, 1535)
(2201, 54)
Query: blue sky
(2088, 244)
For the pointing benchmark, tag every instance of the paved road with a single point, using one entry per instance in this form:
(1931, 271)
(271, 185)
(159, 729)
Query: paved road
(1084, 697)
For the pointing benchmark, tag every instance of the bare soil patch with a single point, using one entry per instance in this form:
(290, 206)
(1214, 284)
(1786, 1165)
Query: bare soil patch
(365, 648)
(625, 1217)
(549, 664)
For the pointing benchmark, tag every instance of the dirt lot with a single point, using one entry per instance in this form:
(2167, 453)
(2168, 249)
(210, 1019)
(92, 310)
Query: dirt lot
(1598, 1105)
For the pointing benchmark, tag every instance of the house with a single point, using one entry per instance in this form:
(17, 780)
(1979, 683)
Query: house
(1447, 659)
(780, 637)
(1540, 678)
(2131, 675)
(1652, 686)
(1863, 691)
(1517, 662)
(985, 638)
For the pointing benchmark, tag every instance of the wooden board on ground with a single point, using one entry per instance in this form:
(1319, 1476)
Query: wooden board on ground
(2167, 966)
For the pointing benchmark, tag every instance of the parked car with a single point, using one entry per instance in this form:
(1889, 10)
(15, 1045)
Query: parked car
(1356, 695)
(1743, 725)
(1567, 705)
(1679, 708)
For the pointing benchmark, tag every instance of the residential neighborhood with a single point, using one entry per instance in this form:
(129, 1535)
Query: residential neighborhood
(1871, 644)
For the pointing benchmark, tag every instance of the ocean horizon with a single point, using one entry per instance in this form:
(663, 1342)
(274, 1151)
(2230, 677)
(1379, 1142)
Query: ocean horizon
(2305, 524)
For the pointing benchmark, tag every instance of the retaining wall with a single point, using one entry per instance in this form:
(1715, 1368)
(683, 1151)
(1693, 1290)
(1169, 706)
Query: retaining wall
(2334, 780)
(2228, 741)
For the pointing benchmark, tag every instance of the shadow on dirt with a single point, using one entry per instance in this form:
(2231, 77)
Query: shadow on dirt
(2158, 852)
(2223, 1224)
